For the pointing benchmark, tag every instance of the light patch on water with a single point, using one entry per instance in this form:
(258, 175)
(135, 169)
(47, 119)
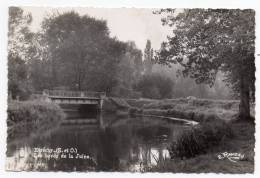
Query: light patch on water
(19, 160)
(154, 156)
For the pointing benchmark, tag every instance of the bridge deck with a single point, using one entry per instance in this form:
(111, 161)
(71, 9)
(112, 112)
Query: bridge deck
(74, 97)
(62, 94)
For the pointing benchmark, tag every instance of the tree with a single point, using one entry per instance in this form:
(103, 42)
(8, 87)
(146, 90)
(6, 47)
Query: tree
(80, 52)
(19, 35)
(206, 41)
(130, 66)
(19, 52)
(148, 58)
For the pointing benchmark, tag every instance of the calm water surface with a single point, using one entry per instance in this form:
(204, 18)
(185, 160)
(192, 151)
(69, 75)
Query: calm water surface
(111, 144)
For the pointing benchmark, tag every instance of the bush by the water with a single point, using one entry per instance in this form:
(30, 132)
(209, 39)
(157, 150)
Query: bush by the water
(200, 139)
(29, 116)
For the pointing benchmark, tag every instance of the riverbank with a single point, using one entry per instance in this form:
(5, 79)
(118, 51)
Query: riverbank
(25, 118)
(240, 140)
(193, 109)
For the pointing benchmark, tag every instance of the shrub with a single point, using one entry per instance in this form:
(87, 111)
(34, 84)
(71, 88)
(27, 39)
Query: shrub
(200, 139)
(30, 116)
(155, 86)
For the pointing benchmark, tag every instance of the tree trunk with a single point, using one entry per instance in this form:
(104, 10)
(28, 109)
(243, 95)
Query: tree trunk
(244, 106)
(54, 80)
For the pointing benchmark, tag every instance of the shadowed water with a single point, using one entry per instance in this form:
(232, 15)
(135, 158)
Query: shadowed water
(112, 143)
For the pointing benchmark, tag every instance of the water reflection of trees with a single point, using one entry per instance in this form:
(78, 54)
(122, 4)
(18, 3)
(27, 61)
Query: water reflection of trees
(110, 149)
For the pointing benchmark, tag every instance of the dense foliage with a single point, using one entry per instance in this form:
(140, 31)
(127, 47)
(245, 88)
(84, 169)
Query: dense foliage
(81, 54)
(155, 86)
(205, 41)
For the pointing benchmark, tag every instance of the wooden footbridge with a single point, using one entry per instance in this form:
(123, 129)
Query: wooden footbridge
(75, 97)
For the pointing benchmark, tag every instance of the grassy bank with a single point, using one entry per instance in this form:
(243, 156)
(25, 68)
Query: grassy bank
(242, 141)
(196, 109)
(29, 117)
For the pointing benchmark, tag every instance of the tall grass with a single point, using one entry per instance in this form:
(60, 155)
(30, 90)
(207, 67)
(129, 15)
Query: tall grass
(200, 139)
(27, 117)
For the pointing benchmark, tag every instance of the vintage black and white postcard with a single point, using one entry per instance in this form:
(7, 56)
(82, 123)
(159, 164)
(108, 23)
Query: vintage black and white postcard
(102, 89)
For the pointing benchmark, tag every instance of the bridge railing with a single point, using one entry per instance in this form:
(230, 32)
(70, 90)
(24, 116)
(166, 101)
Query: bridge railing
(64, 93)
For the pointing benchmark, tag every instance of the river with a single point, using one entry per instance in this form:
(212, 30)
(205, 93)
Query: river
(114, 143)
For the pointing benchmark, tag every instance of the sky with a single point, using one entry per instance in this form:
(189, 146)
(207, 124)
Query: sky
(127, 24)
